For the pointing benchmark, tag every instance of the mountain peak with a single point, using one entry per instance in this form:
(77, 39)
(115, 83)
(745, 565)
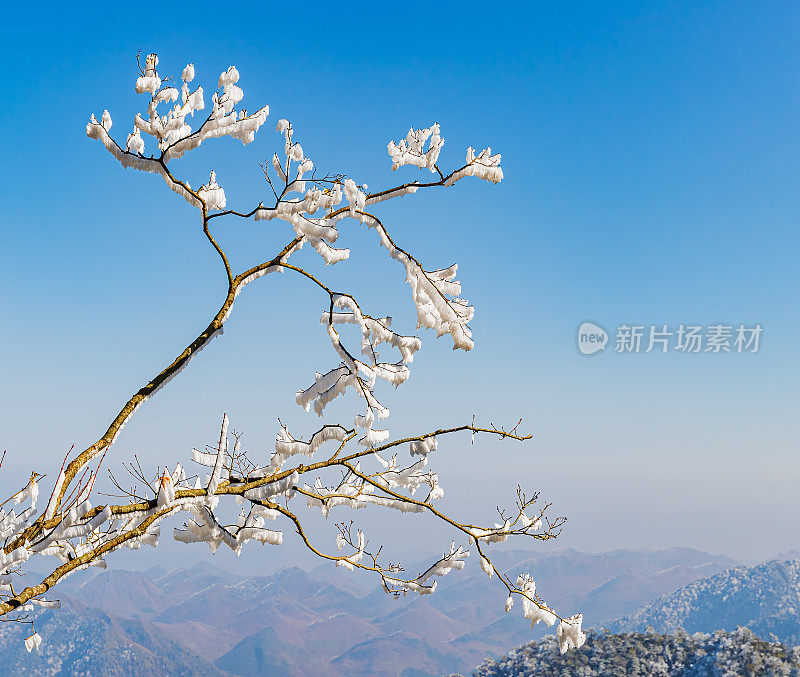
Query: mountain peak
(765, 598)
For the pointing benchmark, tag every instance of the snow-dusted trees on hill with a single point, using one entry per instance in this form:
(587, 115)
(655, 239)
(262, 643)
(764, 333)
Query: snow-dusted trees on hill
(340, 465)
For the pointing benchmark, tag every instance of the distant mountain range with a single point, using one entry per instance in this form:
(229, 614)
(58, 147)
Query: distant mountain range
(205, 621)
(80, 640)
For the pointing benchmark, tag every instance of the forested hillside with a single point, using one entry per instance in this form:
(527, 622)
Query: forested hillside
(653, 655)
(764, 598)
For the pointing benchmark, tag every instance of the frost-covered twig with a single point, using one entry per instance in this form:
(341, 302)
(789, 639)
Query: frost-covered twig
(330, 475)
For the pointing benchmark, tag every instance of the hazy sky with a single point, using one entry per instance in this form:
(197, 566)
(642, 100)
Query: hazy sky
(650, 154)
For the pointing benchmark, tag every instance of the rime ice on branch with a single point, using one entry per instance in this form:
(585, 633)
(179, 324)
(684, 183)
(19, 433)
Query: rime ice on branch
(338, 466)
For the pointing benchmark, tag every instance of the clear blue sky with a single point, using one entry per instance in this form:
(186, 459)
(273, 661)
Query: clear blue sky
(651, 160)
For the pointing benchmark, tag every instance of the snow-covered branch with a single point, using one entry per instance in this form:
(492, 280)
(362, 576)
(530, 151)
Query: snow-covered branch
(323, 471)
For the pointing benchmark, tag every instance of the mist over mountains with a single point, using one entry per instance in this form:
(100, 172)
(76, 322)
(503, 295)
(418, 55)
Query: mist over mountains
(205, 621)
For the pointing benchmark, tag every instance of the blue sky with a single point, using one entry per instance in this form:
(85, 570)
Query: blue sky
(650, 154)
